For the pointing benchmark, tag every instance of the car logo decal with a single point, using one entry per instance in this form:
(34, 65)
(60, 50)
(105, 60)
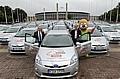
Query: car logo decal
(55, 54)
(55, 66)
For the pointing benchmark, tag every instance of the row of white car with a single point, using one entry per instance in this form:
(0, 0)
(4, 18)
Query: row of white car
(107, 34)
(57, 56)
(100, 38)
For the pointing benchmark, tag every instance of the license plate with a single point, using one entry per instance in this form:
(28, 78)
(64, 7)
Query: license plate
(55, 71)
(98, 48)
(17, 48)
(3, 39)
(116, 39)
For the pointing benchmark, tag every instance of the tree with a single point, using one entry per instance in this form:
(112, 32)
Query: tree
(21, 13)
(114, 14)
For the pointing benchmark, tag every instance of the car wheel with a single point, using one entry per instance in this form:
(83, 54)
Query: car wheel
(9, 52)
(73, 77)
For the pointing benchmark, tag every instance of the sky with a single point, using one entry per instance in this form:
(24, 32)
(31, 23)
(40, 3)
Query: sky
(94, 7)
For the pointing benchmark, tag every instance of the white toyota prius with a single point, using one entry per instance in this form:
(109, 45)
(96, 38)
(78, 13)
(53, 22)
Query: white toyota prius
(57, 56)
(16, 44)
(110, 33)
(99, 44)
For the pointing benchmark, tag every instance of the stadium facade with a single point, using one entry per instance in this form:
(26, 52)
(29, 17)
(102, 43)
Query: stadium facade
(62, 15)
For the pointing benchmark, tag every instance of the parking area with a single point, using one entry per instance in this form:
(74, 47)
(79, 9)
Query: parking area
(93, 67)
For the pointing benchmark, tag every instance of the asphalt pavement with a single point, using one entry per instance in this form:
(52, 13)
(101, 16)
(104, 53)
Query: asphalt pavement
(98, 66)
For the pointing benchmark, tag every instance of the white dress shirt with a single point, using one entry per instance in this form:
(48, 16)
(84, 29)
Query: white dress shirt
(75, 33)
(39, 36)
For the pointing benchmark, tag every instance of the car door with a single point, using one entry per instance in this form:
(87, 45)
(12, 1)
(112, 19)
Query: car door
(30, 44)
(83, 48)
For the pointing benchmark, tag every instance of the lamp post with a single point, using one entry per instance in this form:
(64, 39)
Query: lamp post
(12, 16)
(5, 15)
(117, 17)
(111, 12)
(18, 16)
(57, 11)
(66, 11)
(44, 14)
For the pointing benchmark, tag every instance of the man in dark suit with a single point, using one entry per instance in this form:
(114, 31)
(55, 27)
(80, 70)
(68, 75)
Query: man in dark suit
(39, 35)
(75, 33)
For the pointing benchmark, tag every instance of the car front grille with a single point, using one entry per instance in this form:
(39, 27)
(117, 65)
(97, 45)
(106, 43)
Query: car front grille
(17, 46)
(98, 45)
(18, 50)
(57, 74)
(54, 67)
(98, 50)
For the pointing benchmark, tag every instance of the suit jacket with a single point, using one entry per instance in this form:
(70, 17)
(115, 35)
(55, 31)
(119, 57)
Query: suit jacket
(73, 33)
(36, 35)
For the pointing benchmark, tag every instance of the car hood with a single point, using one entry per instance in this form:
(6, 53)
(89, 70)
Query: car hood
(6, 35)
(118, 30)
(98, 41)
(112, 34)
(56, 54)
(17, 41)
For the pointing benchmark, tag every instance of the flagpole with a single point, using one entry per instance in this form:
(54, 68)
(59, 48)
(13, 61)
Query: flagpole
(117, 13)
(44, 14)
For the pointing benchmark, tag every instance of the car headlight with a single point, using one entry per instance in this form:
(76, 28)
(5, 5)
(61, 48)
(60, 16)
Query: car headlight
(74, 59)
(38, 60)
(8, 39)
(109, 38)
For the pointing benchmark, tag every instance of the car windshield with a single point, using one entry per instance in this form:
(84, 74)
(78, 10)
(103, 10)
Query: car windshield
(22, 33)
(116, 27)
(11, 30)
(96, 33)
(108, 29)
(30, 26)
(57, 41)
(44, 26)
(3, 28)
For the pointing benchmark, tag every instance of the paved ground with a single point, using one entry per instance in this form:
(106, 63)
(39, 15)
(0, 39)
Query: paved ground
(96, 67)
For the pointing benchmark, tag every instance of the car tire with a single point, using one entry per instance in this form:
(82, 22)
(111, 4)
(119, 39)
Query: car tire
(9, 52)
(75, 77)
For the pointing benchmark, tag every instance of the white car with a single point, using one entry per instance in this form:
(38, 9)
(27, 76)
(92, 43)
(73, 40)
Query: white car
(99, 44)
(117, 27)
(45, 27)
(16, 44)
(9, 33)
(110, 33)
(3, 28)
(60, 27)
(57, 56)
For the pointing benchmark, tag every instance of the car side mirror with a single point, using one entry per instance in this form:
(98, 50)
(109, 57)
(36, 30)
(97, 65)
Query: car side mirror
(78, 44)
(100, 30)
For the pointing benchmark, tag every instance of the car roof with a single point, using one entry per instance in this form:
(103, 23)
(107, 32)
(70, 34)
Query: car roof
(58, 32)
(16, 26)
(60, 25)
(4, 26)
(104, 26)
(29, 28)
